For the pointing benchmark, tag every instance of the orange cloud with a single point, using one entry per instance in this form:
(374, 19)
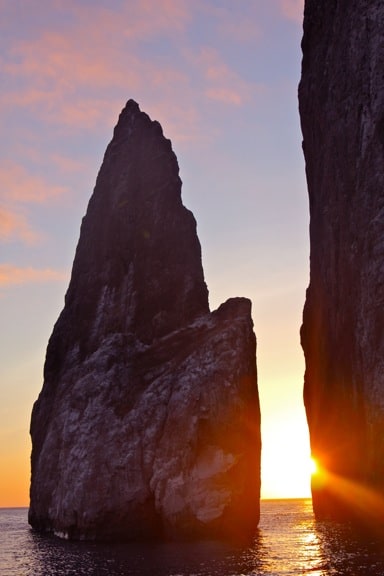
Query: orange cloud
(292, 9)
(15, 226)
(11, 275)
(18, 185)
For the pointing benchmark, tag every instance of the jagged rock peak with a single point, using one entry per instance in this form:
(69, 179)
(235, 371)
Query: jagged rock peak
(129, 116)
(148, 423)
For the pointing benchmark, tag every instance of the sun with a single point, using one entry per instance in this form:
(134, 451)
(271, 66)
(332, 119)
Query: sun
(286, 466)
(313, 467)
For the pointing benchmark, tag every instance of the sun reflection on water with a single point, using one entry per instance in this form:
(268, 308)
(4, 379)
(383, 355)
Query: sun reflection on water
(309, 551)
(293, 545)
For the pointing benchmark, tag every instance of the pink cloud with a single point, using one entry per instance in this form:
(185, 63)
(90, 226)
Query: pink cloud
(18, 189)
(64, 75)
(292, 9)
(11, 275)
(84, 111)
(66, 164)
(151, 18)
(92, 53)
(14, 225)
(182, 122)
(222, 83)
(18, 185)
(225, 95)
(241, 27)
(66, 61)
(75, 74)
(68, 79)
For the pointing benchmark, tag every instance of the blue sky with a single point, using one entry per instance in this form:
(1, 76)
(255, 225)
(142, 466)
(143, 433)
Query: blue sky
(221, 77)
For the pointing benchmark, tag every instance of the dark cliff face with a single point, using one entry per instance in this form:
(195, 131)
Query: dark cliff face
(148, 423)
(341, 98)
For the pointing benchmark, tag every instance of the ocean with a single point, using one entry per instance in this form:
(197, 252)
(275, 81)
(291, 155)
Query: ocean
(289, 542)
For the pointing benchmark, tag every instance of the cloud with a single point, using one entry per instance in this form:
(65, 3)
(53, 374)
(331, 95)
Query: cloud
(222, 83)
(66, 164)
(67, 74)
(225, 95)
(74, 75)
(292, 9)
(78, 86)
(62, 78)
(73, 72)
(18, 190)
(12, 275)
(64, 61)
(154, 18)
(14, 225)
(18, 185)
(135, 20)
(231, 24)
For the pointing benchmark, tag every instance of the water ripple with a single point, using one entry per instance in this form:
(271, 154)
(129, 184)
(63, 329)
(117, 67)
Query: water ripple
(289, 543)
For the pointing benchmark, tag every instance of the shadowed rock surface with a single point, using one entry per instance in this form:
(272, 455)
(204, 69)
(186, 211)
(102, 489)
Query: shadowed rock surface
(341, 99)
(148, 423)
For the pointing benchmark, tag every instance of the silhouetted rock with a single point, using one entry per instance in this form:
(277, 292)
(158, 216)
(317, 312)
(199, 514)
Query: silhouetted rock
(341, 98)
(148, 422)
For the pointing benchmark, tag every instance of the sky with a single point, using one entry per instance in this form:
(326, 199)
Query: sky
(221, 77)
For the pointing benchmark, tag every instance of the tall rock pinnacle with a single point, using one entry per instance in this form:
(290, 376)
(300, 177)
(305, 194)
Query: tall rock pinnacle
(341, 98)
(148, 423)
(138, 242)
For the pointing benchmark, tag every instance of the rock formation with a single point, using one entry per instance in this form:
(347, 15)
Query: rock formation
(148, 423)
(341, 98)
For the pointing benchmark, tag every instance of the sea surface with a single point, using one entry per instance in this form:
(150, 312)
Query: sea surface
(289, 542)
